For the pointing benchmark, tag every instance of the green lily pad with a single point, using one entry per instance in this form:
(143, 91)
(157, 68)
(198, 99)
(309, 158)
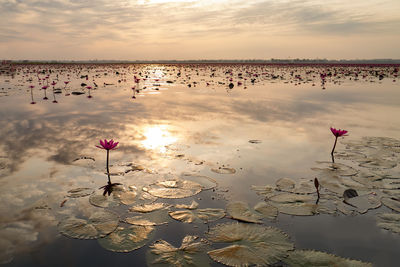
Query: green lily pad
(389, 221)
(173, 189)
(190, 253)
(252, 244)
(99, 224)
(306, 258)
(125, 239)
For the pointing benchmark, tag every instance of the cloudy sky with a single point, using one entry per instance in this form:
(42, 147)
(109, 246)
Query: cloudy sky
(190, 29)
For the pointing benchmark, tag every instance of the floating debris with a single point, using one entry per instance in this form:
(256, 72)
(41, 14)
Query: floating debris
(253, 244)
(190, 253)
(317, 259)
(99, 224)
(126, 239)
(255, 141)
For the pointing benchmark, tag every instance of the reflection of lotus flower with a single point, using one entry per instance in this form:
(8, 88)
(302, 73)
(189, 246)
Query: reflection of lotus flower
(337, 133)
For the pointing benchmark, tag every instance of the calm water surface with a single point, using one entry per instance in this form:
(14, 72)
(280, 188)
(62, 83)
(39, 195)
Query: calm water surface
(180, 120)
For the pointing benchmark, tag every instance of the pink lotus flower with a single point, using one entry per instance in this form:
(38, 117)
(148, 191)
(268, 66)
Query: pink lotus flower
(338, 132)
(107, 145)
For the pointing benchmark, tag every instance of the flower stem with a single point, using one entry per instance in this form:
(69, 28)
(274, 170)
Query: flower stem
(334, 145)
(108, 170)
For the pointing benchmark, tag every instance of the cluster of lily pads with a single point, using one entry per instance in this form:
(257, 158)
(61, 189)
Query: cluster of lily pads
(128, 218)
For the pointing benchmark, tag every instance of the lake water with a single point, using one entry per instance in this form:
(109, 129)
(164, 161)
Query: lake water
(240, 126)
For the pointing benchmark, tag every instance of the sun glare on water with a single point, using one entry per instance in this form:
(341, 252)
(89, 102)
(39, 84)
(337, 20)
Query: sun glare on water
(157, 137)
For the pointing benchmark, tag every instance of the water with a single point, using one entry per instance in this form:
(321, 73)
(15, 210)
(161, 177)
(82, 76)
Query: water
(184, 119)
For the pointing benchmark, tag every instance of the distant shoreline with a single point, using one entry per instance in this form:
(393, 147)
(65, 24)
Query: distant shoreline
(255, 61)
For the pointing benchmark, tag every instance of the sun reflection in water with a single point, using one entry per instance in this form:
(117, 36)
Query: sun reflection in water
(157, 137)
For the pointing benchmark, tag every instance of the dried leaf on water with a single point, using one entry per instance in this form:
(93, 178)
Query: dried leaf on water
(194, 205)
(99, 224)
(389, 221)
(125, 239)
(190, 253)
(253, 244)
(306, 258)
(174, 189)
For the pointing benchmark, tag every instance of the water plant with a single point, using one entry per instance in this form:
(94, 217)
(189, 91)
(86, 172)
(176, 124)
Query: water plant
(337, 133)
(108, 145)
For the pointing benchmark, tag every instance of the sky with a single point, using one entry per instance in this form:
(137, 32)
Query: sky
(189, 29)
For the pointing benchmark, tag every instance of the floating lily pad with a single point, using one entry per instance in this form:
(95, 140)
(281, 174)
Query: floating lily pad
(364, 203)
(263, 190)
(99, 224)
(190, 253)
(106, 201)
(312, 258)
(267, 210)
(157, 217)
(204, 215)
(174, 189)
(285, 184)
(393, 203)
(389, 221)
(300, 205)
(242, 212)
(204, 181)
(80, 192)
(125, 239)
(192, 206)
(252, 244)
(224, 170)
(148, 207)
(7, 250)
(377, 163)
(339, 169)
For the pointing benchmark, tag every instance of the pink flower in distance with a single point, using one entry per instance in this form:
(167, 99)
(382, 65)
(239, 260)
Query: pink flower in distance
(338, 132)
(108, 145)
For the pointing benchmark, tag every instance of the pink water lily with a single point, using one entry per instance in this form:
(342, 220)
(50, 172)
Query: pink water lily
(338, 132)
(107, 145)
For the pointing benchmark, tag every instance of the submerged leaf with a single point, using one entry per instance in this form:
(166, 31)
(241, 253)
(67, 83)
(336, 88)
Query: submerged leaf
(99, 224)
(252, 244)
(190, 253)
(125, 239)
(306, 258)
(174, 189)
